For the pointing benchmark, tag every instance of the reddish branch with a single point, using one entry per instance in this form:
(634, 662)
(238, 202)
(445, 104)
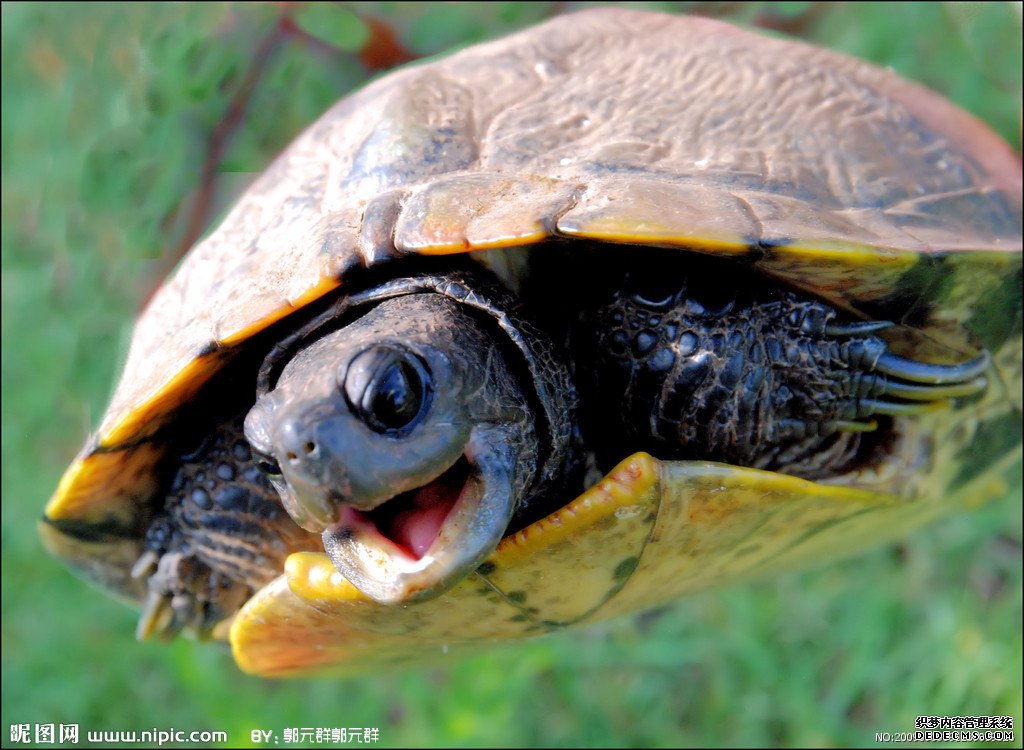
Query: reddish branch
(200, 213)
(203, 198)
(381, 51)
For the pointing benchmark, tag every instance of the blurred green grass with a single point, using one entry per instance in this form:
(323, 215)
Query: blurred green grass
(108, 112)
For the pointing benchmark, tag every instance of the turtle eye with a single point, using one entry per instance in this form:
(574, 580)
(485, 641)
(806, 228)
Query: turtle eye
(387, 388)
(266, 464)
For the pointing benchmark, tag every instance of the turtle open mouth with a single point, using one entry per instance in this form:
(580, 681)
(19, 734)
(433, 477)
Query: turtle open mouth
(420, 542)
(412, 520)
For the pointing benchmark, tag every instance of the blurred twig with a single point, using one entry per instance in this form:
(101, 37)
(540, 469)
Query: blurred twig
(201, 202)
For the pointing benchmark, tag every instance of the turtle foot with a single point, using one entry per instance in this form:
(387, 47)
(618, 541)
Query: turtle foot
(757, 378)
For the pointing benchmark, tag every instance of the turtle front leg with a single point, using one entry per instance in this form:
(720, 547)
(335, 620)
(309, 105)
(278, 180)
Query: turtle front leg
(221, 535)
(777, 383)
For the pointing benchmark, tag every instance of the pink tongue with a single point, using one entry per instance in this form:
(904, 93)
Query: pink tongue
(417, 526)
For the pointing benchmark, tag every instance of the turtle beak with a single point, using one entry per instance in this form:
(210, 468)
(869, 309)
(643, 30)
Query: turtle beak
(422, 542)
(308, 506)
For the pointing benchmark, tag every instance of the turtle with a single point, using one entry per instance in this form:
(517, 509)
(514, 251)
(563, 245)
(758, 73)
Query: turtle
(556, 328)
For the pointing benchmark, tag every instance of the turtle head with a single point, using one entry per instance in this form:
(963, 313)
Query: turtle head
(405, 439)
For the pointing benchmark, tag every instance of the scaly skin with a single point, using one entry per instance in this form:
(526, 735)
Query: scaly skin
(222, 534)
(764, 379)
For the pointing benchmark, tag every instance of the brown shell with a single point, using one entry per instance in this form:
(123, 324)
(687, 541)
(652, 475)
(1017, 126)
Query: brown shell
(610, 124)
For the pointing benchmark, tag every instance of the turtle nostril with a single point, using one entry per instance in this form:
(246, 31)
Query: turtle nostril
(300, 444)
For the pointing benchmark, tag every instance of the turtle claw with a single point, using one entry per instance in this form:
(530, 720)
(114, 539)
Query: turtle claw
(157, 617)
(145, 566)
(869, 406)
(866, 381)
(921, 372)
(861, 328)
(185, 595)
(851, 425)
(165, 614)
(903, 387)
(914, 392)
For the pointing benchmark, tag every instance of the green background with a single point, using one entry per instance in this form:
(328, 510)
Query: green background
(111, 114)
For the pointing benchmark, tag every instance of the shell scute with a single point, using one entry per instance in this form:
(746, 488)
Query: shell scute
(480, 210)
